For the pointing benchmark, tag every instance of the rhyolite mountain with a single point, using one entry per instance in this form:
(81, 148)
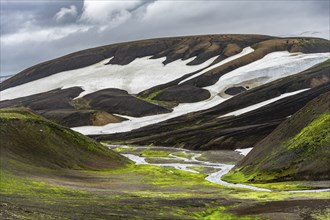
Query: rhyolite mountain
(298, 149)
(198, 92)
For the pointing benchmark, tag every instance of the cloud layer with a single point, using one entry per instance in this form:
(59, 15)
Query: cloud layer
(35, 31)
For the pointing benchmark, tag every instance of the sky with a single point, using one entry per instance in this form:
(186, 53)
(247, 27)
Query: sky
(39, 30)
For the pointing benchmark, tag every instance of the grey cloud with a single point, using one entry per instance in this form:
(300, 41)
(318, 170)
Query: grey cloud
(150, 19)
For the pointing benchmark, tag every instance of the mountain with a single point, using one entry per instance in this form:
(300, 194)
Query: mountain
(298, 149)
(197, 92)
(31, 142)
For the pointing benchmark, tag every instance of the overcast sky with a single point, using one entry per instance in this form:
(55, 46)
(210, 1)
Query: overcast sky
(39, 30)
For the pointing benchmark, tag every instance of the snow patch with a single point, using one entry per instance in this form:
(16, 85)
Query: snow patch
(244, 151)
(135, 123)
(244, 52)
(261, 104)
(271, 67)
(137, 76)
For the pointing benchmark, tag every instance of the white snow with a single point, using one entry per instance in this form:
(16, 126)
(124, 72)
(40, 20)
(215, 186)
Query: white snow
(244, 151)
(271, 67)
(244, 52)
(135, 123)
(136, 159)
(261, 104)
(140, 74)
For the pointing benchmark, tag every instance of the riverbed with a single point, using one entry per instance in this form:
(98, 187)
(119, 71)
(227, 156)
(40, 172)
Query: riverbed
(214, 164)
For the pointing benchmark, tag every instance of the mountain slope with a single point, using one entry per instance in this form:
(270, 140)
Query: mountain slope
(29, 140)
(209, 129)
(177, 91)
(298, 149)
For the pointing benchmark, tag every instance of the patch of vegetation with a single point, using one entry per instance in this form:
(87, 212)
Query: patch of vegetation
(282, 186)
(316, 135)
(154, 153)
(321, 215)
(151, 96)
(80, 103)
(220, 213)
(182, 154)
(13, 184)
(162, 176)
(123, 149)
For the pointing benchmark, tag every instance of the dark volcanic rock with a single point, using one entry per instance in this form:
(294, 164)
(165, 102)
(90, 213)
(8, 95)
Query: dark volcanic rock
(120, 102)
(235, 90)
(55, 99)
(58, 105)
(76, 118)
(183, 94)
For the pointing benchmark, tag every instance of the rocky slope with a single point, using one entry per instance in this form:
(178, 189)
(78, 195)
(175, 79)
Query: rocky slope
(177, 91)
(298, 149)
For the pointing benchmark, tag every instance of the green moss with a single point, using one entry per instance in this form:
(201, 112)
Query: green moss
(12, 184)
(154, 153)
(321, 215)
(220, 213)
(282, 186)
(124, 149)
(276, 196)
(310, 145)
(313, 136)
(161, 176)
(151, 96)
(182, 154)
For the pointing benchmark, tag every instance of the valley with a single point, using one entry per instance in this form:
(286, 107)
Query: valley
(145, 191)
(197, 127)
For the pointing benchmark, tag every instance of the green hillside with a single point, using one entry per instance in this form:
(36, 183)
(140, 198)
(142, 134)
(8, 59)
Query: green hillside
(27, 139)
(298, 149)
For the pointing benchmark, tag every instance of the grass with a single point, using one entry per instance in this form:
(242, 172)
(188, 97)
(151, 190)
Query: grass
(220, 213)
(123, 149)
(154, 153)
(282, 186)
(322, 215)
(16, 185)
(182, 154)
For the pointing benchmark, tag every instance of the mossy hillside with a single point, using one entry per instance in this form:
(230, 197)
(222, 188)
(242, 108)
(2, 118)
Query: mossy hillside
(295, 158)
(35, 140)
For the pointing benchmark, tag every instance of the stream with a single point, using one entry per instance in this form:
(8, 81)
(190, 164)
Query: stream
(184, 163)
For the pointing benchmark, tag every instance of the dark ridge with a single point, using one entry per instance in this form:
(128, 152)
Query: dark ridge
(183, 94)
(124, 53)
(120, 102)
